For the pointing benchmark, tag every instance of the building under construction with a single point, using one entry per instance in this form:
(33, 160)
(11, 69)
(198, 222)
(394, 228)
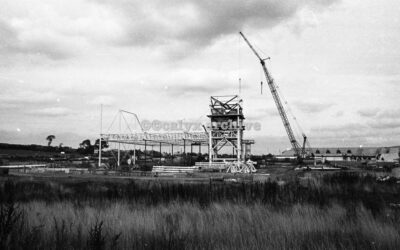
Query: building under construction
(225, 132)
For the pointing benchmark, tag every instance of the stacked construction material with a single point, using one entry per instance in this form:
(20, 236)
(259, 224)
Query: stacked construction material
(171, 170)
(213, 166)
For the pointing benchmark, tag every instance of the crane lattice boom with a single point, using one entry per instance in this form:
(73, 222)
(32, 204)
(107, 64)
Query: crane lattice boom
(295, 145)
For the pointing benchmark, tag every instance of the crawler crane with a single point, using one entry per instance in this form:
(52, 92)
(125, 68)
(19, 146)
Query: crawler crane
(300, 152)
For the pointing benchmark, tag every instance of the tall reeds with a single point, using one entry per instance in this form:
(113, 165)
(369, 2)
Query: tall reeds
(340, 211)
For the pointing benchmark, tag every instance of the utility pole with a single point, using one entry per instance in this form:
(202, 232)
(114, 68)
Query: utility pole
(101, 131)
(240, 86)
(119, 144)
(239, 137)
(210, 147)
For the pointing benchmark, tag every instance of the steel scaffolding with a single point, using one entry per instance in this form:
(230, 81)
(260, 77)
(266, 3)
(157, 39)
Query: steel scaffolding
(226, 127)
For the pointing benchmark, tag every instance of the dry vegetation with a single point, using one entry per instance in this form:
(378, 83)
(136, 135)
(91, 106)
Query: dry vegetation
(344, 211)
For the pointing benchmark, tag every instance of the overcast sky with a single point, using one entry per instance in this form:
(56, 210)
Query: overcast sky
(337, 64)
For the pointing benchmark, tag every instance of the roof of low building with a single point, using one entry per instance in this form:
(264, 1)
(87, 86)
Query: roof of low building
(356, 151)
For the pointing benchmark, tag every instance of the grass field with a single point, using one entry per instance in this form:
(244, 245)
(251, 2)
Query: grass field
(339, 211)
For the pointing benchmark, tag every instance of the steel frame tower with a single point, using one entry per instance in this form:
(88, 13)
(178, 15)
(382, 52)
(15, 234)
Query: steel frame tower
(226, 127)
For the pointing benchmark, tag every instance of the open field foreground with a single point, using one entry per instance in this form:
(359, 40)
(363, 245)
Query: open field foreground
(62, 213)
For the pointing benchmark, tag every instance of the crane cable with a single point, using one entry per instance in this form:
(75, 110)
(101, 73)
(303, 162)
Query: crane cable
(239, 69)
(289, 109)
(285, 102)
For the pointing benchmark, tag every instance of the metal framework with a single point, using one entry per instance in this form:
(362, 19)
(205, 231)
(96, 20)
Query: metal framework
(299, 151)
(154, 139)
(226, 127)
(179, 138)
(138, 137)
(126, 134)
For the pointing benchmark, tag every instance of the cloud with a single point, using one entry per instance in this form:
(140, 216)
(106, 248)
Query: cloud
(24, 40)
(50, 112)
(23, 97)
(350, 127)
(53, 30)
(373, 133)
(347, 134)
(60, 30)
(389, 113)
(103, 99)
(276, 144)
(339, 113)
(194, 89)
(312, 107)
(7, 35)
(372, 112)
(381, 124)
(270, 144)
(199, 23)
(261, 113)
(191, 82)
(380, 114)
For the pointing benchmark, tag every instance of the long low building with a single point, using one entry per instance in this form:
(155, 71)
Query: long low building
(384, 154)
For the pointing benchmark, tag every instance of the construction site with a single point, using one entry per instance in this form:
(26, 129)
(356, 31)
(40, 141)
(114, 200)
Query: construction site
(219, 148)
(200, 125)
(225, 133)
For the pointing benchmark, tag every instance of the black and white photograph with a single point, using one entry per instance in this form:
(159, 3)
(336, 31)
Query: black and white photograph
(199, 124)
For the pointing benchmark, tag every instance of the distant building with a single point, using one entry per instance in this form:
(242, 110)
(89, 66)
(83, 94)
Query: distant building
(383, 154)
